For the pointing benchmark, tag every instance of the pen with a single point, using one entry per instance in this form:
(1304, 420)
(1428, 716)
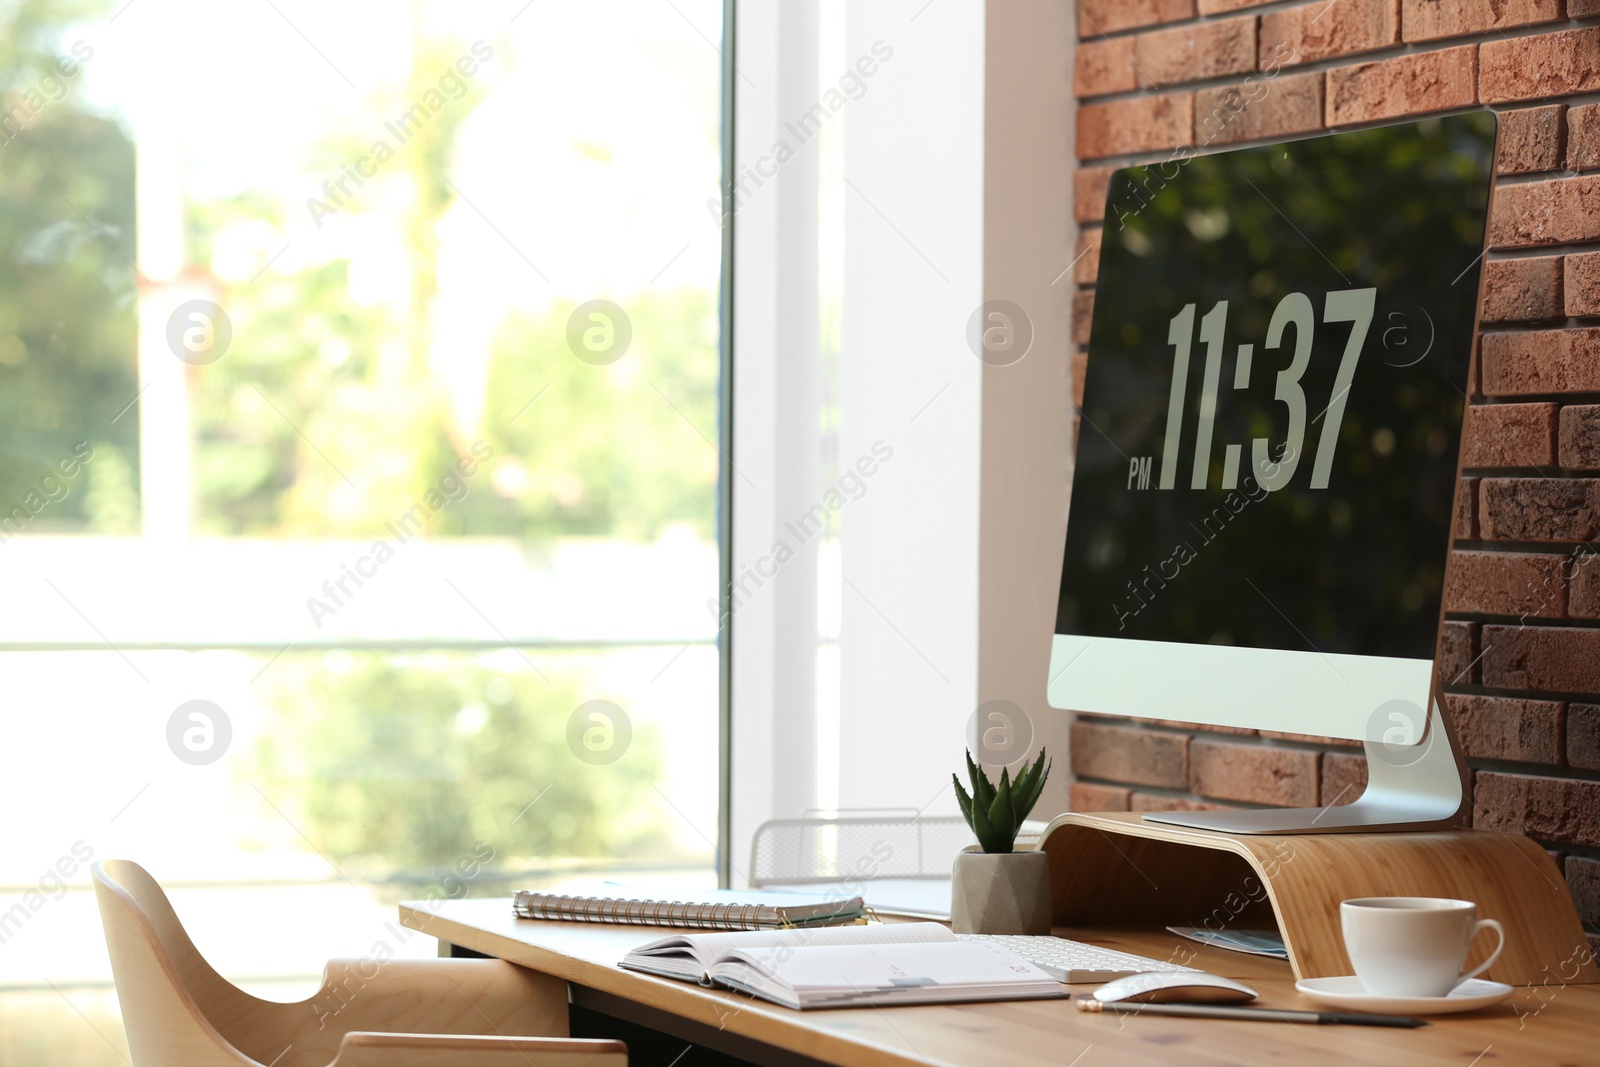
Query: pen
(1266, 1015)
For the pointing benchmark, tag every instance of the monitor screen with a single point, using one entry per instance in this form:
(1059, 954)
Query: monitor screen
(1277, 373)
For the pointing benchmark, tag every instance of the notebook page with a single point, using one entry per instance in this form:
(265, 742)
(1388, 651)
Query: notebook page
(781, 943)
(839, 969)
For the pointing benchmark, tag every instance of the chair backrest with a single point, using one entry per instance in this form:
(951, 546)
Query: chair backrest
(166, 988)
(841, 848)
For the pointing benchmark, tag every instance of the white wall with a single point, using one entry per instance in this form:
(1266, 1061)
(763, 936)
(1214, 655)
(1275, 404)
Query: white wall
(1029, 239)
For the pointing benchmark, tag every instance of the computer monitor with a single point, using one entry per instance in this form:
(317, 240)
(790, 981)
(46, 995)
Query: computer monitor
(1268, 451)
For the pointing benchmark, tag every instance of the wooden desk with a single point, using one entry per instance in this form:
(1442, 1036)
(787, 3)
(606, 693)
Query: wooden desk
(1538, 1025)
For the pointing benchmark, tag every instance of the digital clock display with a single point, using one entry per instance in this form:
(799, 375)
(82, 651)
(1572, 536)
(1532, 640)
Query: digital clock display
(1277, 373)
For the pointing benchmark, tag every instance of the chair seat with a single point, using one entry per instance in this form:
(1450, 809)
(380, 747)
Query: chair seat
(179, 1012)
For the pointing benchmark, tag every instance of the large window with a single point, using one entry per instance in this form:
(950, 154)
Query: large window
(358, 469)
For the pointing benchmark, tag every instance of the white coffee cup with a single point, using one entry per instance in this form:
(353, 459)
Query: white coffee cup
(1413, 946)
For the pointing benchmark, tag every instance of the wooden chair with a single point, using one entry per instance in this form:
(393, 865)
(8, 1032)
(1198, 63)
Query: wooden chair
(369, 1013)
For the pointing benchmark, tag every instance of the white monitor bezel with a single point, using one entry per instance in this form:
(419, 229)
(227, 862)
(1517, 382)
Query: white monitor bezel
(1327, 694)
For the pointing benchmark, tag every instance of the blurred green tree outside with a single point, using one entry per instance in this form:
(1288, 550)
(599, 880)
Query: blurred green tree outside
(68, 314)
(620, 450)
(594, 449)
(399, 762)
(381, 759)
(409, 762)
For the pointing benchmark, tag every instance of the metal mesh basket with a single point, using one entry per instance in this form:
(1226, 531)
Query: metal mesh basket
(826, 850)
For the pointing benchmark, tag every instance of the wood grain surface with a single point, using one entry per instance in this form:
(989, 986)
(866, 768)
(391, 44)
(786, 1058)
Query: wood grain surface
(1114, 869)
(1552, 1024)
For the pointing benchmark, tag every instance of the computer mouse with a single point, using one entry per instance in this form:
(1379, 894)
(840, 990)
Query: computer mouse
(1175, 987)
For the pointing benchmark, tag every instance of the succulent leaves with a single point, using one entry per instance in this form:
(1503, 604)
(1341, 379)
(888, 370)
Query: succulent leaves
(995, 812)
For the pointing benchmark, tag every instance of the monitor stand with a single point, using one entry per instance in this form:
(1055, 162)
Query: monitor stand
(1416, 787)
(1112, 873)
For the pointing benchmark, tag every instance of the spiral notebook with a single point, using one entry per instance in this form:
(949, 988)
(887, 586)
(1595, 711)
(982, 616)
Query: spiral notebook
(717, 909)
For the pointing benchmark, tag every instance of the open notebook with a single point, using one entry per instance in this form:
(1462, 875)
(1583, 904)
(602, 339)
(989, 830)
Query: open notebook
(845, 966)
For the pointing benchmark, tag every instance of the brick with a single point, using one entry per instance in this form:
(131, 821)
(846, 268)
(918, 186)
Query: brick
(1282, 776)
(1405, 85)
(1325, 30)
(1525, 584)
(1458, 653)
(1080, 367)
(1541, 361)
(1087, 270)
(1523, 290)
(1580, 286)
(1210, 728)
(1157, 802)
(1097, 17)
(1532, 139)
(1465, 526)
(1429, 20)
(1582, 9)
(1580, 437)
(1561, 810)
(1308, 739)
(1509, 435)
(1542, 658)
(1583, 879)
(1082, 315)
(1583, 584)
(1138, 124)
(1195, 52)
(1545, 213)
(1288, 104)
(1129, 754)
(1089, 192)
(1218, 7)
(1583, 736)
(1509, 728)
(1100, 67)
(1087, 796)
(1544, 65)
(1344, 777)
(1539, 509)
(1583, 137)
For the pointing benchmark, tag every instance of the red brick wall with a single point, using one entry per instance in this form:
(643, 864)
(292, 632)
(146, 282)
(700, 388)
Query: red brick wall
(1521, 647)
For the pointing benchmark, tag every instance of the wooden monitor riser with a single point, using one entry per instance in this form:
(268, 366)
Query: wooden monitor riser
(1115, 869)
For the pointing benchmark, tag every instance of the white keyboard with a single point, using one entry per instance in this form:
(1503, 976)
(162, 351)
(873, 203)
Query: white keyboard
(1074, 961)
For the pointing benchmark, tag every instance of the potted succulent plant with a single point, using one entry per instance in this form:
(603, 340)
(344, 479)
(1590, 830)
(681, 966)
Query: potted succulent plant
(998, 890)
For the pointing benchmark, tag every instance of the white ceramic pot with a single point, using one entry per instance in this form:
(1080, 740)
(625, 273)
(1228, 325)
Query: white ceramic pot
(1000, 893)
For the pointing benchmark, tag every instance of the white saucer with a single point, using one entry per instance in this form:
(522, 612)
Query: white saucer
(1348, 992)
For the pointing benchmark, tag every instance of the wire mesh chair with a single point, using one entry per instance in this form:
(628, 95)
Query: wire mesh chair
(825, 850)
